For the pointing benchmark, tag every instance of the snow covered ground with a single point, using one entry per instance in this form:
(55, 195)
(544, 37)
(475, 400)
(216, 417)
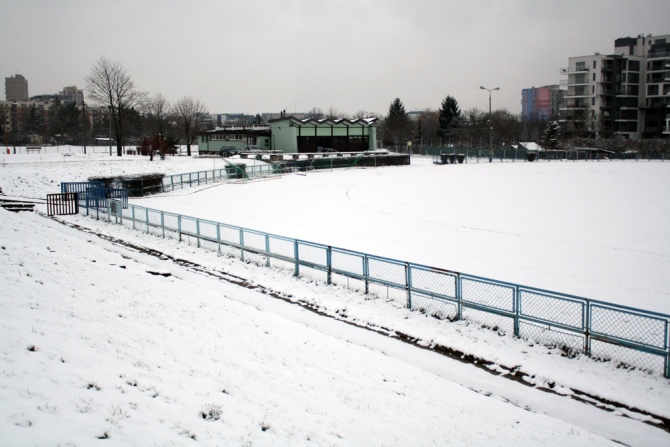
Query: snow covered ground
(99, 339)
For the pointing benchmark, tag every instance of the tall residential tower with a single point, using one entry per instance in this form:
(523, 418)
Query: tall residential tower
(16, 88)
(625, 93)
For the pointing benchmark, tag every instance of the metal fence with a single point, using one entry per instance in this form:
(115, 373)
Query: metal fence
(629, 337)
(79, 187)
(62, 204)
(100, 197)
(480, 155)
(230, 172)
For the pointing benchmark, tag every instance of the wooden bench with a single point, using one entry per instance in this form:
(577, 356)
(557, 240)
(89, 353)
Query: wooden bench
(32, 149)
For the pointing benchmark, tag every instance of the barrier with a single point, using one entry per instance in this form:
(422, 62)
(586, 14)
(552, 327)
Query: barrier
(631, 337)
(62, 204)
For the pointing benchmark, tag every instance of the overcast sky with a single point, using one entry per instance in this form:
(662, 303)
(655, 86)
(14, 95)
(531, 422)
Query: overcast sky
(254, 56)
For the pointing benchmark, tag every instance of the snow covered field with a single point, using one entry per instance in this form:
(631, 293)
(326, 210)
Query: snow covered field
(99, 339)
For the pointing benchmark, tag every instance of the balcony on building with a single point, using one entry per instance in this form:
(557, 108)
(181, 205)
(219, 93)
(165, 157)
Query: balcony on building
(573, 70)
(658, 103)
(659, 55)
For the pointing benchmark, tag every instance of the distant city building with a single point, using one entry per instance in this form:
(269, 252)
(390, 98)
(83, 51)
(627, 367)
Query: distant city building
(19, 109)
(541, 103)
(625, 93)
(228, 119)
(16, 88)
(71, 95)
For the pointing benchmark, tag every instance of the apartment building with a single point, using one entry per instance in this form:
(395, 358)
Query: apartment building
(541, 103)
(16, 88)
(625, 93)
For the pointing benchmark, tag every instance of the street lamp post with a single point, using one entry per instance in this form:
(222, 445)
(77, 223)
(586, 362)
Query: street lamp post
(490, 122)
(109, 135)
(14, 126)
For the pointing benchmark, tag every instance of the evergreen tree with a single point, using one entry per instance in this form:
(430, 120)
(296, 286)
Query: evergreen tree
(551, 134)
(397, 125)
(449, 119)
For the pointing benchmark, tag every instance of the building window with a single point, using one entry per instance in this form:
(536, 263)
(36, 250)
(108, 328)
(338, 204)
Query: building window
(633, 65)
(581, 66)
(594, 64)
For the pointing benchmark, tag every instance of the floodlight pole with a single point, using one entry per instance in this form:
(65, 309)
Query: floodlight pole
(490, 122)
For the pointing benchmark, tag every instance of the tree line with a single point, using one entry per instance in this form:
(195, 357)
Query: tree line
(117, 110)
(125, 114)
(477, 129)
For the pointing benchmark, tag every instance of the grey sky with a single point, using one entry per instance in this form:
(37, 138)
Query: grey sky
(253, 56)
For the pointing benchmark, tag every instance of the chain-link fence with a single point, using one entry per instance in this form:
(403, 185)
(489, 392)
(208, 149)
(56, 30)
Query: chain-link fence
(626, 336)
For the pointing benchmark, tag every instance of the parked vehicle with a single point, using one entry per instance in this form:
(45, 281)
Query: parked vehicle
(228, 151)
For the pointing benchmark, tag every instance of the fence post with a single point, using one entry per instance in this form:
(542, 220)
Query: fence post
(667, 347)
(408, 284)
(172, 181)
(296, 256)
(179, 226)
(133, 215)
(329, 264)
(459, 297)
(163, 223)
(517, 309)
(218, 238)
(267, 250)
(146, 213)
(366, 273)
(197, 231)
(242, 244)
(587, 327)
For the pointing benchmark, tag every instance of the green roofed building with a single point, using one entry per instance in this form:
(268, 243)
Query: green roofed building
(289, 134)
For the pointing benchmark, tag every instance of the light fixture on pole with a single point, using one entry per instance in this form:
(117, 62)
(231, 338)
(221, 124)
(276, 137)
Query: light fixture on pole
(490, 122)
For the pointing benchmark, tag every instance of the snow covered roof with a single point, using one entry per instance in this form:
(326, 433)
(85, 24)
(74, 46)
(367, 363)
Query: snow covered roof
(531, 146)
(314, 121)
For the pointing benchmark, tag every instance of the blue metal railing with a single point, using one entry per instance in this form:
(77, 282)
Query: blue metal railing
(100, 197)
(191, 179)
(79, 187)
(626, 335)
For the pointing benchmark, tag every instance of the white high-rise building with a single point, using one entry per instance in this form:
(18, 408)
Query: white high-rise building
(625, 93)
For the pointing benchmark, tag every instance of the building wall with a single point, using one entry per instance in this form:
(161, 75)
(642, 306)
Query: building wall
(16, 88)
(542, 103)
(293, 135)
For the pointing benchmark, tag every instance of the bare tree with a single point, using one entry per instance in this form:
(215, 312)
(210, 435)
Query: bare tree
(189, 112)
(157, 109)
(110, 85)
(316, 113)
(364, 114)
